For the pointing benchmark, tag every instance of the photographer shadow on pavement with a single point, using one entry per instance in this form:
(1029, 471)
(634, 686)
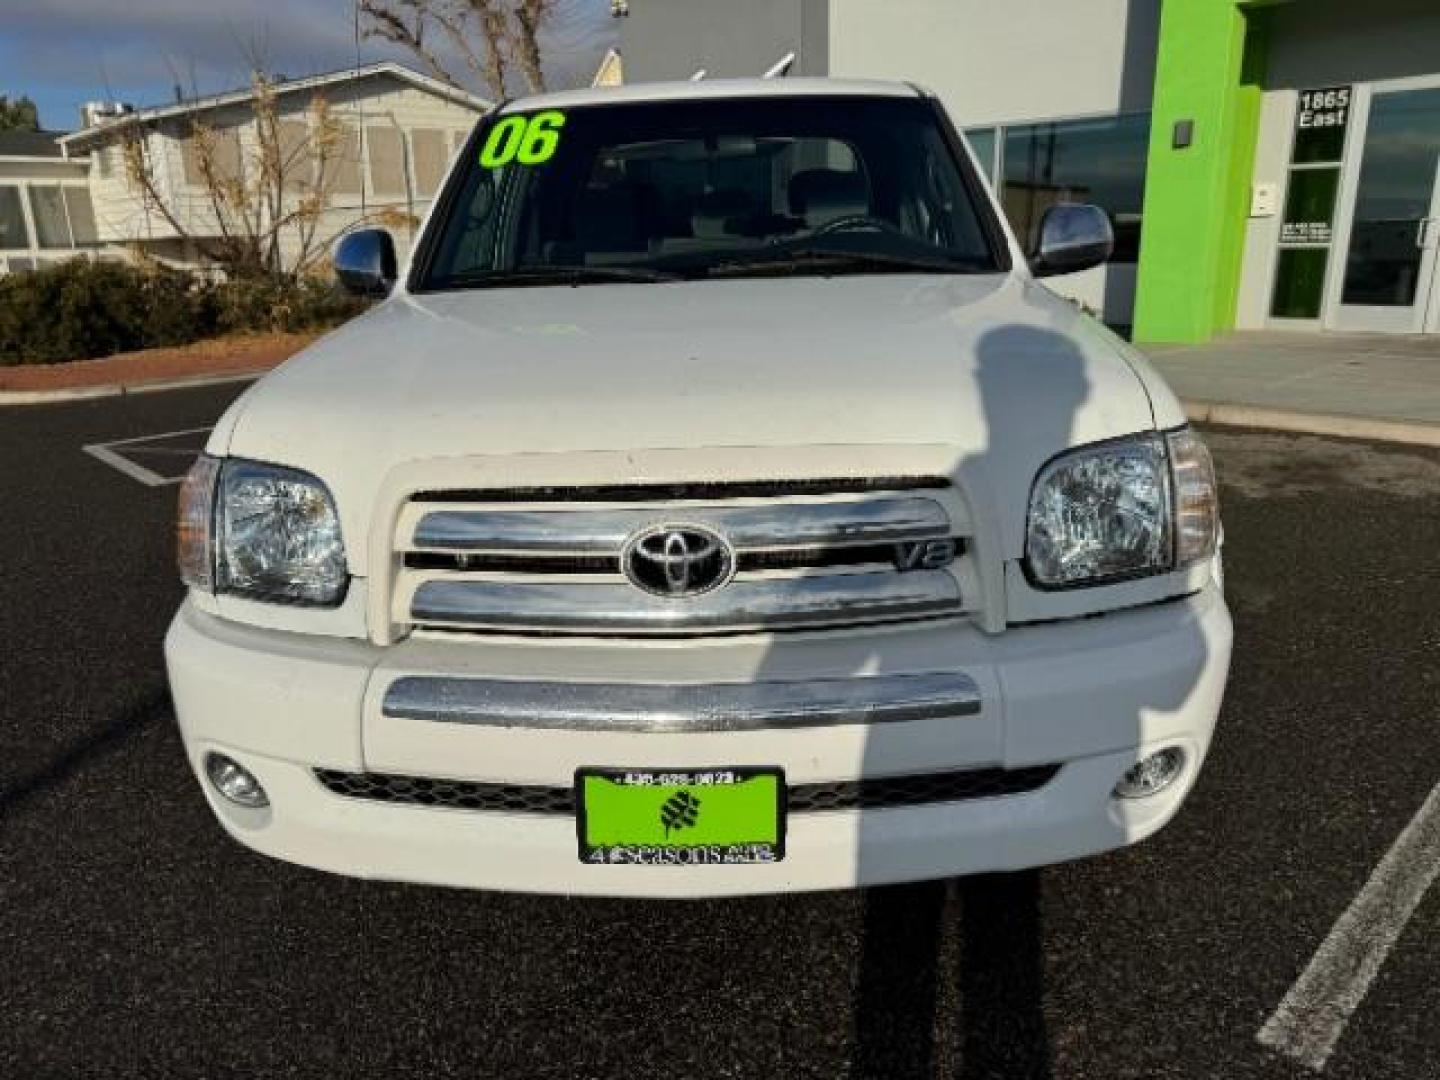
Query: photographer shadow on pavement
(951, 977)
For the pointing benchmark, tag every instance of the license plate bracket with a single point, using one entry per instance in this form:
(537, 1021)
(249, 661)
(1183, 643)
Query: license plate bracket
(680, 817)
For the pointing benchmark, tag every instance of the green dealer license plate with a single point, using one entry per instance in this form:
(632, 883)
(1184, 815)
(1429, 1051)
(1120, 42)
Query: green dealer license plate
(680, 817)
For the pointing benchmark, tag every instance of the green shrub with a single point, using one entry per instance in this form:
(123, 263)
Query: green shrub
(271, 304)
(79, 309)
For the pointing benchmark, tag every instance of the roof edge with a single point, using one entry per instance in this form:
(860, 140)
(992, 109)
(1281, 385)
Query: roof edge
(288, 86)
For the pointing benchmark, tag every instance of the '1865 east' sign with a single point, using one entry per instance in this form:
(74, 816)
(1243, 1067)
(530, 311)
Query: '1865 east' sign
(1326, 108)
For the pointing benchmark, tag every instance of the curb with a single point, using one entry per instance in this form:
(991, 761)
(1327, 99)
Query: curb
(82, 393)
(1414, 433)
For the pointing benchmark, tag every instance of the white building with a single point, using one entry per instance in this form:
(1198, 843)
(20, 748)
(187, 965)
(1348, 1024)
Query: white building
(45, 207)
(399, 128)
(1267, 163)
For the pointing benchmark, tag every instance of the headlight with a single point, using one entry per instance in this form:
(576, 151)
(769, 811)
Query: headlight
(262, 531)
(1122, 509)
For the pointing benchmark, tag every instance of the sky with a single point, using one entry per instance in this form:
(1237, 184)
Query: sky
(64, 52)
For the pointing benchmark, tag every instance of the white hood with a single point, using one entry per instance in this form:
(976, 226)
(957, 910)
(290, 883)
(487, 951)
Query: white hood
(993, 368)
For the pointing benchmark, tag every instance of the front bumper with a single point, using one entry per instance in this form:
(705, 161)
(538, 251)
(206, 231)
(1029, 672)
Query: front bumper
(1091, 695)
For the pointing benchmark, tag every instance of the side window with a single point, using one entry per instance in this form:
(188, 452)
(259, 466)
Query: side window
(933, 202)
(473, 245)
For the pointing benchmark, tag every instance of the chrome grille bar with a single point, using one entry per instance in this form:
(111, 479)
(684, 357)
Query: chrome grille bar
(604, 531)
(757, 603)
(683, 708)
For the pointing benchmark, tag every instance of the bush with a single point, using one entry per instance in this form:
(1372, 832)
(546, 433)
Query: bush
(269, 304)
(79, 309)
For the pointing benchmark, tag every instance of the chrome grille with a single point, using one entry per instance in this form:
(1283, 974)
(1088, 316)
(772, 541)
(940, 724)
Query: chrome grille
(749, 528)
(835, 554)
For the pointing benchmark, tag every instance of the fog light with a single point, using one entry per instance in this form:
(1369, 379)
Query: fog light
(235, 782)
(1151, 774)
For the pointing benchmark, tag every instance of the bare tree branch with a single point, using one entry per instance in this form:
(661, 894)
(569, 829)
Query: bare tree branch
(488, 36)
(388, 20)
(530, 19)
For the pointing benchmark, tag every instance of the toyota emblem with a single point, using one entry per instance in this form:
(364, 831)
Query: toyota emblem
(678, 560)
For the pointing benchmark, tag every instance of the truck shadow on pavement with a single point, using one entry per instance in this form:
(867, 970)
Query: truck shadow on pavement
(152, 705)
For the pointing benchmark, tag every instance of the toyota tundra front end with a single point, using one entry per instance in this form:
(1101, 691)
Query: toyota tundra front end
(715, 504)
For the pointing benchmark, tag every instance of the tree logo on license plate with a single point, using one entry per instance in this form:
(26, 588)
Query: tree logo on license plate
(680, 811)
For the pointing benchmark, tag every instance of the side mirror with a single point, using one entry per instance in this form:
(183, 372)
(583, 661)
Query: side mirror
(365, 262)
(1073, 236)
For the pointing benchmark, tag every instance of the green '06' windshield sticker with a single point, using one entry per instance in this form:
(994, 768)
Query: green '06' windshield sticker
(530, 140)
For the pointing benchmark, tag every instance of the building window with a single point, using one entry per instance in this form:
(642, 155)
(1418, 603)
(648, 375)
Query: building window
(297, 157)
(47, 210)
(64, 217)
(982, 141)
(225, 156)
(12, 220)
(430, 159)
(81, 212)
(387, 161)
(1078, 161)
(342, 166)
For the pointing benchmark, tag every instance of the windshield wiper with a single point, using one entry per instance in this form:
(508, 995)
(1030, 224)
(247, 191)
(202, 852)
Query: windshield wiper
(553, 275)
(790, 259)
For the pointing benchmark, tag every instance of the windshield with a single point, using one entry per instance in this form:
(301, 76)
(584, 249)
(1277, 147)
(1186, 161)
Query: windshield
(739, 187)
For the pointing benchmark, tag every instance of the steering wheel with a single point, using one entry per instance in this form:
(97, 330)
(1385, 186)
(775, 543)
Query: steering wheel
(859, 223)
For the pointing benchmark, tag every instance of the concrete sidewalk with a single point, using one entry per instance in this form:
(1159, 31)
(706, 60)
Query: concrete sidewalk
(1361, 384)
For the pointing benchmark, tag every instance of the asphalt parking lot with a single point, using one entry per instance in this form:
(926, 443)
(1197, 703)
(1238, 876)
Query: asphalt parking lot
(137, 940)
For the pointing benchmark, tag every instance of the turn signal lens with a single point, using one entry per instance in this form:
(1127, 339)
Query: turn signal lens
(1197, 504)
(194, 548)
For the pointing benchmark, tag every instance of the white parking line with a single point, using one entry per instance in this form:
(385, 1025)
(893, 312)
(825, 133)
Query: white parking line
(1309, 1022)
(105, 452)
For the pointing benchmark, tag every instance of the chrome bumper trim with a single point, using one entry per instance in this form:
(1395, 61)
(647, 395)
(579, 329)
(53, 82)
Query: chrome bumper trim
(754, 604)
(603, 532)
(684, 708)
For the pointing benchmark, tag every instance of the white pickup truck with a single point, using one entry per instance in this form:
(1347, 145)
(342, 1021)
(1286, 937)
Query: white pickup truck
(716, 504)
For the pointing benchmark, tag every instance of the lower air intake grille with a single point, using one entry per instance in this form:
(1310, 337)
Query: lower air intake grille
(875, 794)
(459, 794)
(920, 789)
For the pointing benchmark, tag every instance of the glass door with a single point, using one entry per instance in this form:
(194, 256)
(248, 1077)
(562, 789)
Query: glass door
(1387, 281)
